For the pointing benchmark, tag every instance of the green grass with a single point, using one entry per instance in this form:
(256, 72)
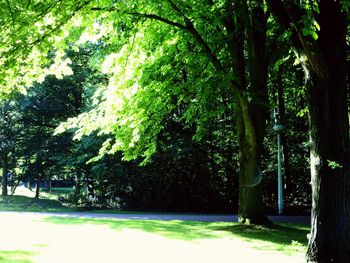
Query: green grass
(56, 192)
(25, 201)
(286, 238)
(16, 256)
(28, 204)
(39, 238)
(62, 190)
(48, 203)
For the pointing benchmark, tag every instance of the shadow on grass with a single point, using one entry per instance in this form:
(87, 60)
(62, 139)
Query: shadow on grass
(282, 237)
(183, 230)
(282, 234)
(16, 256)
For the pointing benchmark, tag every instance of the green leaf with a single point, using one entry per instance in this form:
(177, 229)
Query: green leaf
(305, 31)
(334, 165)
(317, 26)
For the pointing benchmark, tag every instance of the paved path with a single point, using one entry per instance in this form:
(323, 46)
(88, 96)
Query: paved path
(155, 216)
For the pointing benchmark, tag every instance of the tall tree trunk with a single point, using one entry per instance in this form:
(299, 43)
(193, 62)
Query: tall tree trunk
(4, 173)
(48, 185)
(251, 207)
(37, 187)
(30, 183)
(14, 187)
(325, 69)
(250, 115)
(329, 240)
(77, 188)
(329, 134)
(251, 120)
(90, 190)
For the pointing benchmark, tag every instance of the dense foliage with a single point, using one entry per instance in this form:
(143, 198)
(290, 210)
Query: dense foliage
(188, 173)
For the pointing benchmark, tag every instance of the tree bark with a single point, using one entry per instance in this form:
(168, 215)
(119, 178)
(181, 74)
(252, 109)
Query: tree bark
(325, 70)
(251, 120)
(4, 174)
(37, 187)
(14, 187)
(30, 183)
(77, 188)
(329, 240)
(48, 185)
(250, 207)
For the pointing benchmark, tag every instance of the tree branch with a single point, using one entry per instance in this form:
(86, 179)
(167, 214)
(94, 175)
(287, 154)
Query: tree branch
(177, 9)
(188, 27)
(287, 20)
(150, 16)
(162, 19)
(28, 4)
(194, 32)
(216, 62)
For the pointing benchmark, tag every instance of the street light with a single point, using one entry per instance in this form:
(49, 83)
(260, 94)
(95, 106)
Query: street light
(278, 127)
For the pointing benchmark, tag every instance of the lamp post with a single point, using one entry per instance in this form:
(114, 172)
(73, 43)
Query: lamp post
(278, 127)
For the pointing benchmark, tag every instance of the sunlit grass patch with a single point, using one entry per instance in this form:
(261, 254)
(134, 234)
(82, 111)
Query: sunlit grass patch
(16, 256)
(57, 192)
(40, 238)
(288, 239)
(182, 230)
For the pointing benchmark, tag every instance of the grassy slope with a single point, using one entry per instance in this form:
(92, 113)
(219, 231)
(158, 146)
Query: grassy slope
(28, 204)
(23, 200)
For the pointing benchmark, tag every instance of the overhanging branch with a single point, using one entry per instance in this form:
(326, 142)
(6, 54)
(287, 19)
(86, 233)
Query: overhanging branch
(161, 19)
(188, 27)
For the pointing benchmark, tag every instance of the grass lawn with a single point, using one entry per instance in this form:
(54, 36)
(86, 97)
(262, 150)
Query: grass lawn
(39, 238)
(30, 204)
(56, 192)
(23, 200)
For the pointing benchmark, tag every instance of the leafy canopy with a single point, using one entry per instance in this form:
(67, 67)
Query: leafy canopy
(158, 56)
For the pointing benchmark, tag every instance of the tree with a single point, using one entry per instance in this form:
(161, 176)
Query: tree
(135, 129)
(43, 108)
(320, 45)
(9, 124)
(215, 34)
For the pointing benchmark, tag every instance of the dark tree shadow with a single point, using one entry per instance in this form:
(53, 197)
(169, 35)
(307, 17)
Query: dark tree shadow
(282, 234)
